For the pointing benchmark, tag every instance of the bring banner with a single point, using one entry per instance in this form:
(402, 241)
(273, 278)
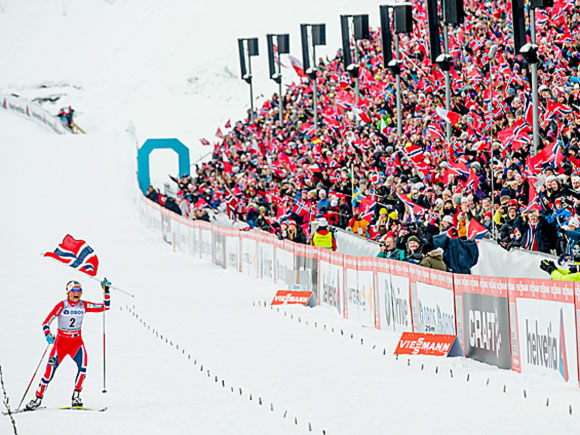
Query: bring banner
(432, 300)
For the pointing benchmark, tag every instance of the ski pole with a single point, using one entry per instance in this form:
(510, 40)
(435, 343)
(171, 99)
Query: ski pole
(33, 376)
(104, 357)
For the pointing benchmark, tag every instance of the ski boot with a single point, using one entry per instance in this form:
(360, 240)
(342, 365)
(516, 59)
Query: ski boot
(77, 402)
(33, 404)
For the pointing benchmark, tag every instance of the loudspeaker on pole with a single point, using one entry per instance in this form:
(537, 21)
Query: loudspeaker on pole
(453, 12)
(386, 36)
(403, 18)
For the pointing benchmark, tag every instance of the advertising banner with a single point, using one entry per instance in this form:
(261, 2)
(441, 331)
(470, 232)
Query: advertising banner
(366, 286)
(195, 240)
(413, 343)
(249, 254)
(266, 257)
(360, 304)
(232, 250)
(284, 260)
(219, 247)
(393, 296)
(289, 297)
(328, 282)
(206, 245)
(433, 304)
(483, 319)
(545, 316)
(166, 226)
(32, 112)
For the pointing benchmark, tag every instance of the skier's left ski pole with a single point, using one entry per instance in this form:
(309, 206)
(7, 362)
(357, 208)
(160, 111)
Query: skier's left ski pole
(33, 376)
(104, 357)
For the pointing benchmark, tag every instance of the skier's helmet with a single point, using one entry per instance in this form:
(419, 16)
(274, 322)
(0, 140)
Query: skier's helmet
(74, 286)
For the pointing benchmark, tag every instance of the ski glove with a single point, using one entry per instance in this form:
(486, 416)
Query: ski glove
(106, 284)
(49, 338)
(547, 266)
(573, 268)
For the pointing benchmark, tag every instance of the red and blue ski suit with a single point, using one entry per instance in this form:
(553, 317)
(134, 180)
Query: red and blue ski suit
(69, 340)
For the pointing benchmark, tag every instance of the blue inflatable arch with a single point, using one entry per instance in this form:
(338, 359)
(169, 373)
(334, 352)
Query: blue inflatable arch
(143, 169)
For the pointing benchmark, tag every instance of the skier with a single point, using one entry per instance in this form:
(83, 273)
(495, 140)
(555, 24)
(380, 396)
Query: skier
(69, 341)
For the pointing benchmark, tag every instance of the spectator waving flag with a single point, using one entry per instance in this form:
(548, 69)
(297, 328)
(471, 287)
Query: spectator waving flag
(475, 231)
(77, 254)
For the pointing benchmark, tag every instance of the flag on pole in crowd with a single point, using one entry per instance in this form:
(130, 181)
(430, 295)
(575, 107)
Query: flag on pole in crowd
(219, 133)
(417, 209)
(205, 142)
(297, 65)
(228, 124)
(449, 116)
(367, 207)
(475, 231)
(77, 254)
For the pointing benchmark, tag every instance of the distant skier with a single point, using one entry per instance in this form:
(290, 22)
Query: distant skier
(69, 341)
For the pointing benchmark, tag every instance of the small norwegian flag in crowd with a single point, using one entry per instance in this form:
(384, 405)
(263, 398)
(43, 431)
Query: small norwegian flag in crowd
(219, 133)
(77, 254)
(476, 231)
(205, 142)
(228, 124)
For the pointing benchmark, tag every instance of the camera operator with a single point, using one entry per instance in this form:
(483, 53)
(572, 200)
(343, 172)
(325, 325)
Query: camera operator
(388, 250)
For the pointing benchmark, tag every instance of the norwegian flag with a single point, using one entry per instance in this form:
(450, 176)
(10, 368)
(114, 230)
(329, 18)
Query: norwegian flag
(205, 142)
(301, 209)
(435, 132)
(219, 133)
(297, 65)
(458, 168)
(77, 254)
(475, 231)
(417, 209)
(554, 109)
(473, 181)
(367, 207)
(449, 116)
(228, 124)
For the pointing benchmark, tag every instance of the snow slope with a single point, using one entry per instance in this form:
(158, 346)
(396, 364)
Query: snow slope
(128, 60)
(84, 185)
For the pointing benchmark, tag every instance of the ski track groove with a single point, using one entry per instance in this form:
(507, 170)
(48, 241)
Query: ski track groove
(219, 380)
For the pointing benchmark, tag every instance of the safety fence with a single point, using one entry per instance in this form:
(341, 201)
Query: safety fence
(526, 325)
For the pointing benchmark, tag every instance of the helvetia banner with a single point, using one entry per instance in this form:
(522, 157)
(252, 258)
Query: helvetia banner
(545, 327)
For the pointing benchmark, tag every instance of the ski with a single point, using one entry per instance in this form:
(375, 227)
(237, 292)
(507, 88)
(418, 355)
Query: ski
(82, 408)
(63, 408)
(18, 411)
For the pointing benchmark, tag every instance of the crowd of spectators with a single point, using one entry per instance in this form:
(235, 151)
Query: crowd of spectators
(419, 193)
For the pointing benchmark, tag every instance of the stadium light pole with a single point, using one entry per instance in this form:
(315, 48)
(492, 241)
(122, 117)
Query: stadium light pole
(492, 52)
(248, 47)
(282, 46)
(312, 35)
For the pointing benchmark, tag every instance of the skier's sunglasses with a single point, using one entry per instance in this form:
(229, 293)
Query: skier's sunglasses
(76, 289)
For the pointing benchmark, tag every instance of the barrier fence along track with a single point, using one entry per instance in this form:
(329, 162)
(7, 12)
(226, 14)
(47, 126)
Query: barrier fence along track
(526, 325)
